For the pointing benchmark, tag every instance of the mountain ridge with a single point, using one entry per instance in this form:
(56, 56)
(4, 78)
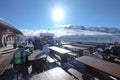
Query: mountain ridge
(99, 29)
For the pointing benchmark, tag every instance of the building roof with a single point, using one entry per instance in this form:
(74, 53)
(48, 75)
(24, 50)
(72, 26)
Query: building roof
(6, 25)
(47, 34)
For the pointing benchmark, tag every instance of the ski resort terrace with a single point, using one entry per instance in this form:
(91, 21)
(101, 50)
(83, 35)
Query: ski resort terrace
(61, 64)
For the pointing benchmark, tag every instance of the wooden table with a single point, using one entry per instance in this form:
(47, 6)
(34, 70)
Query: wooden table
(53, 74)
(60, 52)
(67, 43)
(76, 49)
(37, 60)
(37, 54)
(101, 65)
(84, 45)
(91, 48)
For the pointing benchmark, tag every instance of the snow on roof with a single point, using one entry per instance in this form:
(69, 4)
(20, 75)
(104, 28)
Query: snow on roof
(6, 23)
(9, 26)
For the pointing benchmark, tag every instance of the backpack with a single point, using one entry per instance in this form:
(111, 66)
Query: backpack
(20, 57)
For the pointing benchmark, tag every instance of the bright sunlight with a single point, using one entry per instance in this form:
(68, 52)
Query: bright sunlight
(58, 14)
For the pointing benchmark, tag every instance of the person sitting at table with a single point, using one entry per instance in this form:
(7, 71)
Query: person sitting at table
(98, 54)
(45, 51)
(45, 48)
(30, 46)
(59, 43)
(115, 49)
(107, 53)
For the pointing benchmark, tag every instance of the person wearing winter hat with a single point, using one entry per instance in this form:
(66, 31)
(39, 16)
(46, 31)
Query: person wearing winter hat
(98, 54)
(20, 60)
(115, 49)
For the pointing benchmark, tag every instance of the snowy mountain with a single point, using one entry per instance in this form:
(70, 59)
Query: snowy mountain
(97, 35)
(81, 34)
(100, 29)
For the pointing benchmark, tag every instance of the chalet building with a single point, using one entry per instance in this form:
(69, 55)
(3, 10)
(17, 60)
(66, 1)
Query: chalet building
(8, 34)
(47, 36)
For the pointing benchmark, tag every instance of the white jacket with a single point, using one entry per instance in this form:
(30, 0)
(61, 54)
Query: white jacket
(46, 49)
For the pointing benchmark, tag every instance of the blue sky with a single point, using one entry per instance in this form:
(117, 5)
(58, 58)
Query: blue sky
(37, 14)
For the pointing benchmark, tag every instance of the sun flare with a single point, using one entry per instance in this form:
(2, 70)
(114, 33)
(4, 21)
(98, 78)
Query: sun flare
(58, 14)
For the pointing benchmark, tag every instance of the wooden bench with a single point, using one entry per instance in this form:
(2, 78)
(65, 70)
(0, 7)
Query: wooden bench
(50, 60)
(8, 51)
(5, 62)
(72, 54)
(75, 73)
(2, 49)
(113, 56)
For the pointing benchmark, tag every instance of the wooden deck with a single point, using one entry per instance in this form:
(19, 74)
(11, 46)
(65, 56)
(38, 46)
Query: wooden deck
(50, 73)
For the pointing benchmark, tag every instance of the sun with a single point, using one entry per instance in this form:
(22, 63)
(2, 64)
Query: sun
(58, 14)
